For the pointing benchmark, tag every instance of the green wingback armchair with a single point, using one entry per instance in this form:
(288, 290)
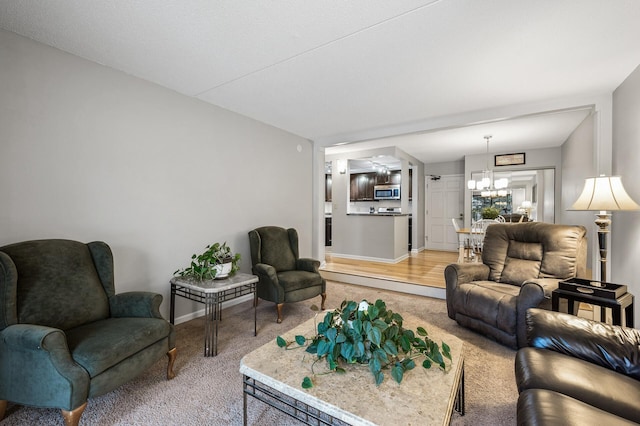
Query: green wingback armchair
(284, 276)
(65, 336)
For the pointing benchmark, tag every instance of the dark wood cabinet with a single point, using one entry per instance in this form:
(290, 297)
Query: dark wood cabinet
(361, 186)
(327, 231)
(327, 187)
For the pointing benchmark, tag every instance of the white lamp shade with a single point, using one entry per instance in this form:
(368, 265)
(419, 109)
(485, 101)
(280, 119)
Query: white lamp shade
(604, 193)
(471, 184)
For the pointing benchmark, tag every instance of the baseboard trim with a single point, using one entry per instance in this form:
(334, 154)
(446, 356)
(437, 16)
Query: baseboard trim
(419, 290)
(371, 259)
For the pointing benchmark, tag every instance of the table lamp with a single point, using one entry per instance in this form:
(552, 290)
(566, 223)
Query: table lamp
(601, 194)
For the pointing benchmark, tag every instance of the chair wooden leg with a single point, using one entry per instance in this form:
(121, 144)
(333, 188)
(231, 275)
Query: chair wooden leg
(172, 358)
(72, 418)
(3, 408)
(324, 297)
(279, 310)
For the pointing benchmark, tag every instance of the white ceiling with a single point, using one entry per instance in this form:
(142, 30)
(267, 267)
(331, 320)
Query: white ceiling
(343, 71)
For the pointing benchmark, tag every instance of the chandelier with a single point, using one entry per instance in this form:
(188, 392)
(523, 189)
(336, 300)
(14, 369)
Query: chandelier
(487, 186)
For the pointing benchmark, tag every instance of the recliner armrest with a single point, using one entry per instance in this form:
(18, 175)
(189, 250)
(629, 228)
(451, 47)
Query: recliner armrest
(266, 271)
(306, 264)
(461, 273)
(544, 285)
(137, 304)
(28, 336)
(32, 350)
(610, 346)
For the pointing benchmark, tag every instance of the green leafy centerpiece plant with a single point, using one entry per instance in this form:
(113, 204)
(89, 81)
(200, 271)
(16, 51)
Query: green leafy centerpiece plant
(217, 261)
(365, 333)
(490, 213)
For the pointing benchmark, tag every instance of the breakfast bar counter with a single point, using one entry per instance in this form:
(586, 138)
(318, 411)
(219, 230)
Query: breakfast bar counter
(380, 237)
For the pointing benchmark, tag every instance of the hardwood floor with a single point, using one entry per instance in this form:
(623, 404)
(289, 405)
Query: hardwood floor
(425, 268)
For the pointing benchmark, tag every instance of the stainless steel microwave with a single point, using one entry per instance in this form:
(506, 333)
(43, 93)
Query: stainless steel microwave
(386, 192)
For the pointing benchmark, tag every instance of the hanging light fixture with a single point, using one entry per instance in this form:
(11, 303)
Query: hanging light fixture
(486, 185)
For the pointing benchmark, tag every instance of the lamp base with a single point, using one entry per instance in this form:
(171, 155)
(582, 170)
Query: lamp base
(603, 220)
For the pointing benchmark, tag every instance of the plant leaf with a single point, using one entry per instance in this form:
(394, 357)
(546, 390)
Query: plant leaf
(301, 340)
(426, 363)
(307, 383)
(397, 372)
(281, 342)
(323, 348)
(422, 332)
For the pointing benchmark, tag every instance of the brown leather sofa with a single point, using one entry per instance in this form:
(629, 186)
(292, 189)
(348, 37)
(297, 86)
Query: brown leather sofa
(577, 372)
(522, 264)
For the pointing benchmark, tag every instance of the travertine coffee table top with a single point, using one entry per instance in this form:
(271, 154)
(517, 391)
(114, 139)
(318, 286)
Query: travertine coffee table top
(425, 397)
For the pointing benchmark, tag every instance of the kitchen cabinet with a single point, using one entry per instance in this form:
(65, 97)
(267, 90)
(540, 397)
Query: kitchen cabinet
(361, 186)
(327, 231)
(327, 187)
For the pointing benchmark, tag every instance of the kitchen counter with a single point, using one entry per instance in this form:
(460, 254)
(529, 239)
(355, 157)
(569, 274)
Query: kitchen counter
(366, 236)
(377, 214)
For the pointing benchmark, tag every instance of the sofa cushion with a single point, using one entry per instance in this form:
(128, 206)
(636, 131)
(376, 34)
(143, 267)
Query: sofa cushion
(276, 248)
(544, 407)
(100, 345)
(60, 286)
(522, 262)
(492, 303)
(560, 249)
(295, 280)
(582, 380)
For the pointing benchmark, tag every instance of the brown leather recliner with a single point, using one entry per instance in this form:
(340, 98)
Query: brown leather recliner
(577, 372)
(521, 265)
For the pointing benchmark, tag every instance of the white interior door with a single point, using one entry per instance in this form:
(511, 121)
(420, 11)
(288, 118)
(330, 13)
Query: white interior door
(444, 200)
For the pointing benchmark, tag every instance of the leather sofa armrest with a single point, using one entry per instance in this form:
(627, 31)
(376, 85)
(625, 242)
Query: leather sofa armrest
(137, 304)
(534, 293)
(305, 264)
(544, 286)
(614, 347)
(461, 273)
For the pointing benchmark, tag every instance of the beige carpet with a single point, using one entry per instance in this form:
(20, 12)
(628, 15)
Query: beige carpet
(208, 391)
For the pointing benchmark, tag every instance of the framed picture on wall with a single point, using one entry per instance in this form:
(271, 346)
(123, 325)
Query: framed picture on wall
(509, 159)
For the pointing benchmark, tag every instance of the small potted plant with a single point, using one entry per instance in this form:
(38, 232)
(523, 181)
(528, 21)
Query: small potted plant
(216, 262)
(490, 213)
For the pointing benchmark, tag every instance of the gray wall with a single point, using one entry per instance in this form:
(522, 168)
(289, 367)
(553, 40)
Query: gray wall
(625, 228)
(89, 153)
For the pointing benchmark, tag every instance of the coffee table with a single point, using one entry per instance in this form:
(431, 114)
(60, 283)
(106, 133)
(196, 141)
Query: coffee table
(274, 375)
(212, 293)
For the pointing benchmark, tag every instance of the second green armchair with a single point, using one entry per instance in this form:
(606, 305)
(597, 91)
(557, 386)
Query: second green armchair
(284, 276)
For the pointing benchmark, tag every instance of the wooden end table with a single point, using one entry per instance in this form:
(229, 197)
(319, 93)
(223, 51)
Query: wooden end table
(617, 305)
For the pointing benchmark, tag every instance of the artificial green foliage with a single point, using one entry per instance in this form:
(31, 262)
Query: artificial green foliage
(203, 266)
(490, 213)
(366, 333)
